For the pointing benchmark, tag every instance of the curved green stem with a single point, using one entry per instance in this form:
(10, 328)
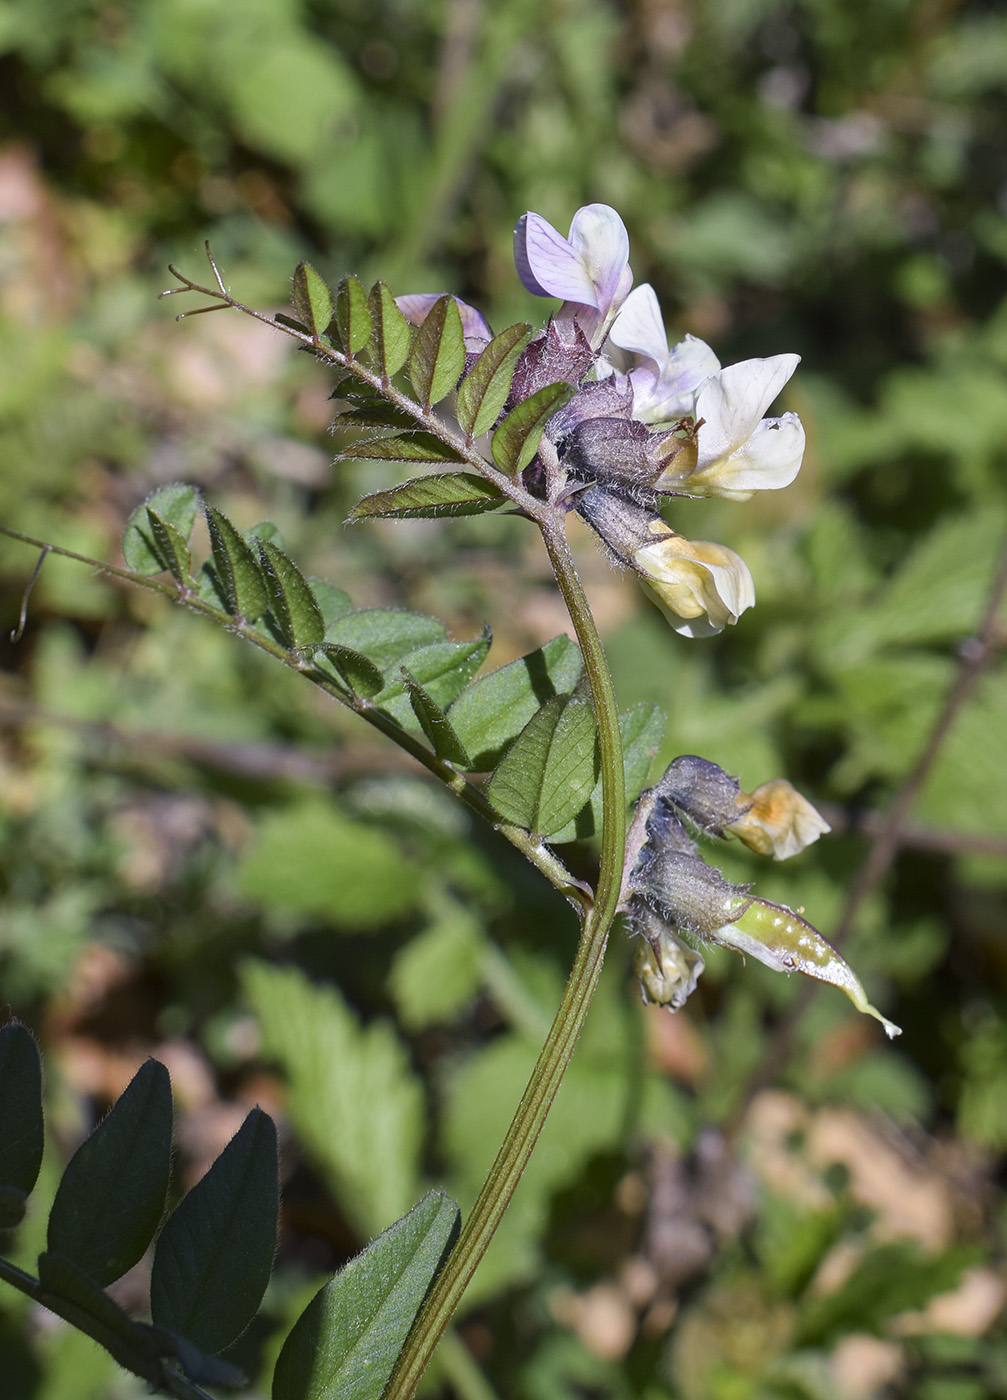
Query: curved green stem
(550, 1067)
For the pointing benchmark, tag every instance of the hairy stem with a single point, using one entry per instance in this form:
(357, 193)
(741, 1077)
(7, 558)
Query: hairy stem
(550, 1067)
(467, 793)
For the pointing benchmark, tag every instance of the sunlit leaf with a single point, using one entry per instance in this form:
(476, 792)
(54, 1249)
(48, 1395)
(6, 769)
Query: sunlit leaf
(291, 601)
(438, 353)
(434, 723)
(312, 299)
(483, 392)
(443, 669)
(452, 493)
(642, 730)
(386, 636)
(174, 505)
(516, 440)
(355, 670)
(392, 332)
(548, 773)
(401, 447)
(236, 567)
(215, 1254)
(111, 1197)
(352, 320)
(494, 709)
(348, 1338)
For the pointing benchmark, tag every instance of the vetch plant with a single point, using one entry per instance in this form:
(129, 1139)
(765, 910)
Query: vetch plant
(592, 414)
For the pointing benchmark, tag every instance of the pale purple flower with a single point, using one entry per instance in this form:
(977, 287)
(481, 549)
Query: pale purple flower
(588, 270)
(415, 307)
(664, 381)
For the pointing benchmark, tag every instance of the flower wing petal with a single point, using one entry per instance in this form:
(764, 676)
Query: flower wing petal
(547, 264)
(733, 401)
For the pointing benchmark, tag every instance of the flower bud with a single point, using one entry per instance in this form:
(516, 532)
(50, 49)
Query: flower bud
(778, 820)
(700, 587)
(703, 792)
(666, 968)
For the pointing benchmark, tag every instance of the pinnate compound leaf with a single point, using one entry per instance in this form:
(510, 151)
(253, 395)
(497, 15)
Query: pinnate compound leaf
(174, 505)
(401, 447)
(494, 709)
(392, 332)
(367, 1142)
(642, 730)
(443, 669)
(438, 354)
(347, 1340)
(236, 568)
(548, 773)
(429, 497)
(354, 670)
(483, 392)
(291, 600)
(434, 723)
(21, 1125)
(386, 636)
(312, 299)
(353, 320)
(516, 440)
(111, 1197)
(215, 1254)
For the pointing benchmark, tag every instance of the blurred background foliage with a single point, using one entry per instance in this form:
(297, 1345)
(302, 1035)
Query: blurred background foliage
(204, 861)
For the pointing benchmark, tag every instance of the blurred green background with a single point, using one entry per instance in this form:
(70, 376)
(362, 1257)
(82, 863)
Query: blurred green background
(194, 848)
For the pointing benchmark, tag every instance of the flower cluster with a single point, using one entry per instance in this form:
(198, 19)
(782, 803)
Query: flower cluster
(647, 421)
(675, 902)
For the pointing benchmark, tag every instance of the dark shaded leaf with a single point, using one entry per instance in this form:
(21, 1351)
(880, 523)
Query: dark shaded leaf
(386, 636)
(438, 354)
(355, 670)
(401, 447)
(392, 332)
(294, 325)
(75, 1295)
(174, 505)
(374, 413)
(516, 440)
(21, 1124)
(442, 668)
(111, 1197)
(312, 299)
(352, 320)
(435, 723)
(214, 1256)
(642, 730)
(546, 776)
(483, 392)
(236, 568)
(494, 709)
(12, 1206)
(450, 493)
(348, 1338)
(291, 600)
